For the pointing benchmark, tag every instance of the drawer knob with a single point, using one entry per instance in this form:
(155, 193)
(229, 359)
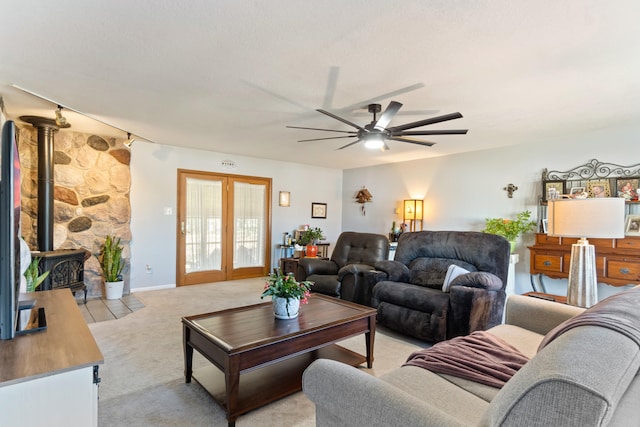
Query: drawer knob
(547, 263)
(624, 271)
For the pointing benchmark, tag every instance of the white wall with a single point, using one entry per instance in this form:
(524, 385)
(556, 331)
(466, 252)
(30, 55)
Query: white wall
(154, 188)
(461, 190)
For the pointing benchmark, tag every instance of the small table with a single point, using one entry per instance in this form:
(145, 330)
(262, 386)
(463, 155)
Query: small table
(549, 297)
(260, 359)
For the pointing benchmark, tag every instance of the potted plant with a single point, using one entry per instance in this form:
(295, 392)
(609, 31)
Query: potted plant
(310, 239)
(510, 229)
(112, 264)
(33, 277)
(287, 294)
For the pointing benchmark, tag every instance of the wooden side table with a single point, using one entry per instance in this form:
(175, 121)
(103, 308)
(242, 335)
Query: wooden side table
(549, 297)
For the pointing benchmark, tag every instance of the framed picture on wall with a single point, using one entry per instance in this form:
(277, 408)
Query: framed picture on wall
(318, 210)
(552, 190)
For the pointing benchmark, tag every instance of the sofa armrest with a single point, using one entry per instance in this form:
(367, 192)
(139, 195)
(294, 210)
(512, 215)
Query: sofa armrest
(395, 270)
(479, 279)
(309, 266)
(354, 269)
(537, 315)
(347, 396)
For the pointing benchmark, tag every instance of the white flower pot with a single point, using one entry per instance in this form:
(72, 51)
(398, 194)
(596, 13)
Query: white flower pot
(284, 309)
(114, 289)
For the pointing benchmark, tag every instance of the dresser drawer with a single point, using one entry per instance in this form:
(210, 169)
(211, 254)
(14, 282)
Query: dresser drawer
(628, 243)
(544, 239)
(625, 270)
(551, 263)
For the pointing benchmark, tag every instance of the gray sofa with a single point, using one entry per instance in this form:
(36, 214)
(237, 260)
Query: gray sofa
(588, 376)
(410, 292)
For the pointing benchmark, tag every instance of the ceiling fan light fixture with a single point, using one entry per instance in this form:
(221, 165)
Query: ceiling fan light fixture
(374, 141)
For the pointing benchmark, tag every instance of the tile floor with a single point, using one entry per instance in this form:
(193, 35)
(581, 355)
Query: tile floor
(101, 309)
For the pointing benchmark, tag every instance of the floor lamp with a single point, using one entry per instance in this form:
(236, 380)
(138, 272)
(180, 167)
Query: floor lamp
(583, 218)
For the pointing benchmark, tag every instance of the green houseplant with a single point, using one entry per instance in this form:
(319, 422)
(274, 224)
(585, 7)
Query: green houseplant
(287, 294)
(112, 264)
(510, 229)
(310, 238)
(32, 276)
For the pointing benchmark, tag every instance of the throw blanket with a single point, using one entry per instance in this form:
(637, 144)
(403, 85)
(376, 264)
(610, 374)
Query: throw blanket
(619, 312)
(480, 357)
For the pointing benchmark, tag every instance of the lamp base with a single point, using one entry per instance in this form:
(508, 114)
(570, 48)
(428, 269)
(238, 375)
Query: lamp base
(582, 290)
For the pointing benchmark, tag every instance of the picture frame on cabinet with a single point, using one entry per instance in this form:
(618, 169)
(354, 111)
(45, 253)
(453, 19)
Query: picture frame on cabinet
(627, 188)
(552, 190)
(597, 189)
(632, 225)
(545, 222)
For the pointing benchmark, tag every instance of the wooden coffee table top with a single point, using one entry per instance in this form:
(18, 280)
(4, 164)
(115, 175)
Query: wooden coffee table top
(243, 328)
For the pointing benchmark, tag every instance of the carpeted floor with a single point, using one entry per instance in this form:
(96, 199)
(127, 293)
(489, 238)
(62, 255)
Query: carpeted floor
(142, 377)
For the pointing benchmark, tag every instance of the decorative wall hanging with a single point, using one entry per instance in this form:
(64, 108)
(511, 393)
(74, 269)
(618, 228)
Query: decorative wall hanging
(363, 196)
(318, 210)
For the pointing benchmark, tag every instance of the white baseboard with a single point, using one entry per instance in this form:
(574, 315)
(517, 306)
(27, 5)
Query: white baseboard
(153, 288)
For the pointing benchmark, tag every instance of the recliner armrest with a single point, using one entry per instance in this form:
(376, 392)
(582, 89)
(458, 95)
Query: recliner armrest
(317, 266)
(353, 269)
(395, 270)
(478, 279)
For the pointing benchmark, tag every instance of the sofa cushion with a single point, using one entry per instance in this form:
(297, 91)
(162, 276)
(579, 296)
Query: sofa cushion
(431, 272)
(577, 379)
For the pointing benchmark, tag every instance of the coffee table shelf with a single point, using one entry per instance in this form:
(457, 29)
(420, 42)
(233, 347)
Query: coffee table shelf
(262, 386)
(257, 359)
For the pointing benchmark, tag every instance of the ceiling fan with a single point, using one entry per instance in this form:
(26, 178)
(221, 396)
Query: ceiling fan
(375, 133)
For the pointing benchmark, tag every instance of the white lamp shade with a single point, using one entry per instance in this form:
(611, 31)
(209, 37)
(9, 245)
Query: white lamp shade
(591, 218)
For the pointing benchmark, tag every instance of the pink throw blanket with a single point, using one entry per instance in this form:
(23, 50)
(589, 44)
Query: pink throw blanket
(480, 357)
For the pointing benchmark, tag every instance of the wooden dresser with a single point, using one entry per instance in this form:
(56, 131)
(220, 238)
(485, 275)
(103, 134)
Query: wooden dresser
(617, 260)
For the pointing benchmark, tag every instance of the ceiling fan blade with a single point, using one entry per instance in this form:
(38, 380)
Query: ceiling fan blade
(411, 141)
(345, 121)
(432, 132)
(365, 102)
(349, 145)
(387, 115)
(326, 130)
(425, 122)
(331, 137)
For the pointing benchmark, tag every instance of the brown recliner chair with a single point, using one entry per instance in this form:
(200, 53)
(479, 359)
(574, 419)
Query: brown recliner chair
(343, 275)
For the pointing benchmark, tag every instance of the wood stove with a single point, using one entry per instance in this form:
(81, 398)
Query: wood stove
(66, 267)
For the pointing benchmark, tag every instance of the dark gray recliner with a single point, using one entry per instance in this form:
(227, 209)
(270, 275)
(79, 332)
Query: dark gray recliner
(408, 292)
(342, 275)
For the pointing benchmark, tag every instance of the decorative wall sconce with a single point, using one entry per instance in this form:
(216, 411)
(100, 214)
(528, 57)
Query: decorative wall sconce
(285, 199)
(412, 212)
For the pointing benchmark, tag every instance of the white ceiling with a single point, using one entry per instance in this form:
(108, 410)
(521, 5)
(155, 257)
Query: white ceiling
(228, 76)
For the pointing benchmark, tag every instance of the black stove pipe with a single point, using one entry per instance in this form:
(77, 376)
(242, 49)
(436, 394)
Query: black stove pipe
(46, 129)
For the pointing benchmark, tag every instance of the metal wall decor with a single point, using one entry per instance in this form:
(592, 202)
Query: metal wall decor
(594, 169)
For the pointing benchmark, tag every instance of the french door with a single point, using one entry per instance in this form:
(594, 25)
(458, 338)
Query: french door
(224, 227)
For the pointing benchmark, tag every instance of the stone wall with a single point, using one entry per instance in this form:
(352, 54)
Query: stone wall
(92, 181)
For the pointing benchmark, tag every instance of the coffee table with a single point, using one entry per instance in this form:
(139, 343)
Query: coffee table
(258, 359)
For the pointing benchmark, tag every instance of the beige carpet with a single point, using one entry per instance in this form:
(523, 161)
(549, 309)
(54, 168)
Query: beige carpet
(142, 377)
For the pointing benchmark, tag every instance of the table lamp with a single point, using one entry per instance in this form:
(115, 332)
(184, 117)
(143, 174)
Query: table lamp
(583, 218)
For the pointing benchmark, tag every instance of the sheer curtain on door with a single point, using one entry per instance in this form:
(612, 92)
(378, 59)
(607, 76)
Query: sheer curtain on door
(249, 224)
(203, 225)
